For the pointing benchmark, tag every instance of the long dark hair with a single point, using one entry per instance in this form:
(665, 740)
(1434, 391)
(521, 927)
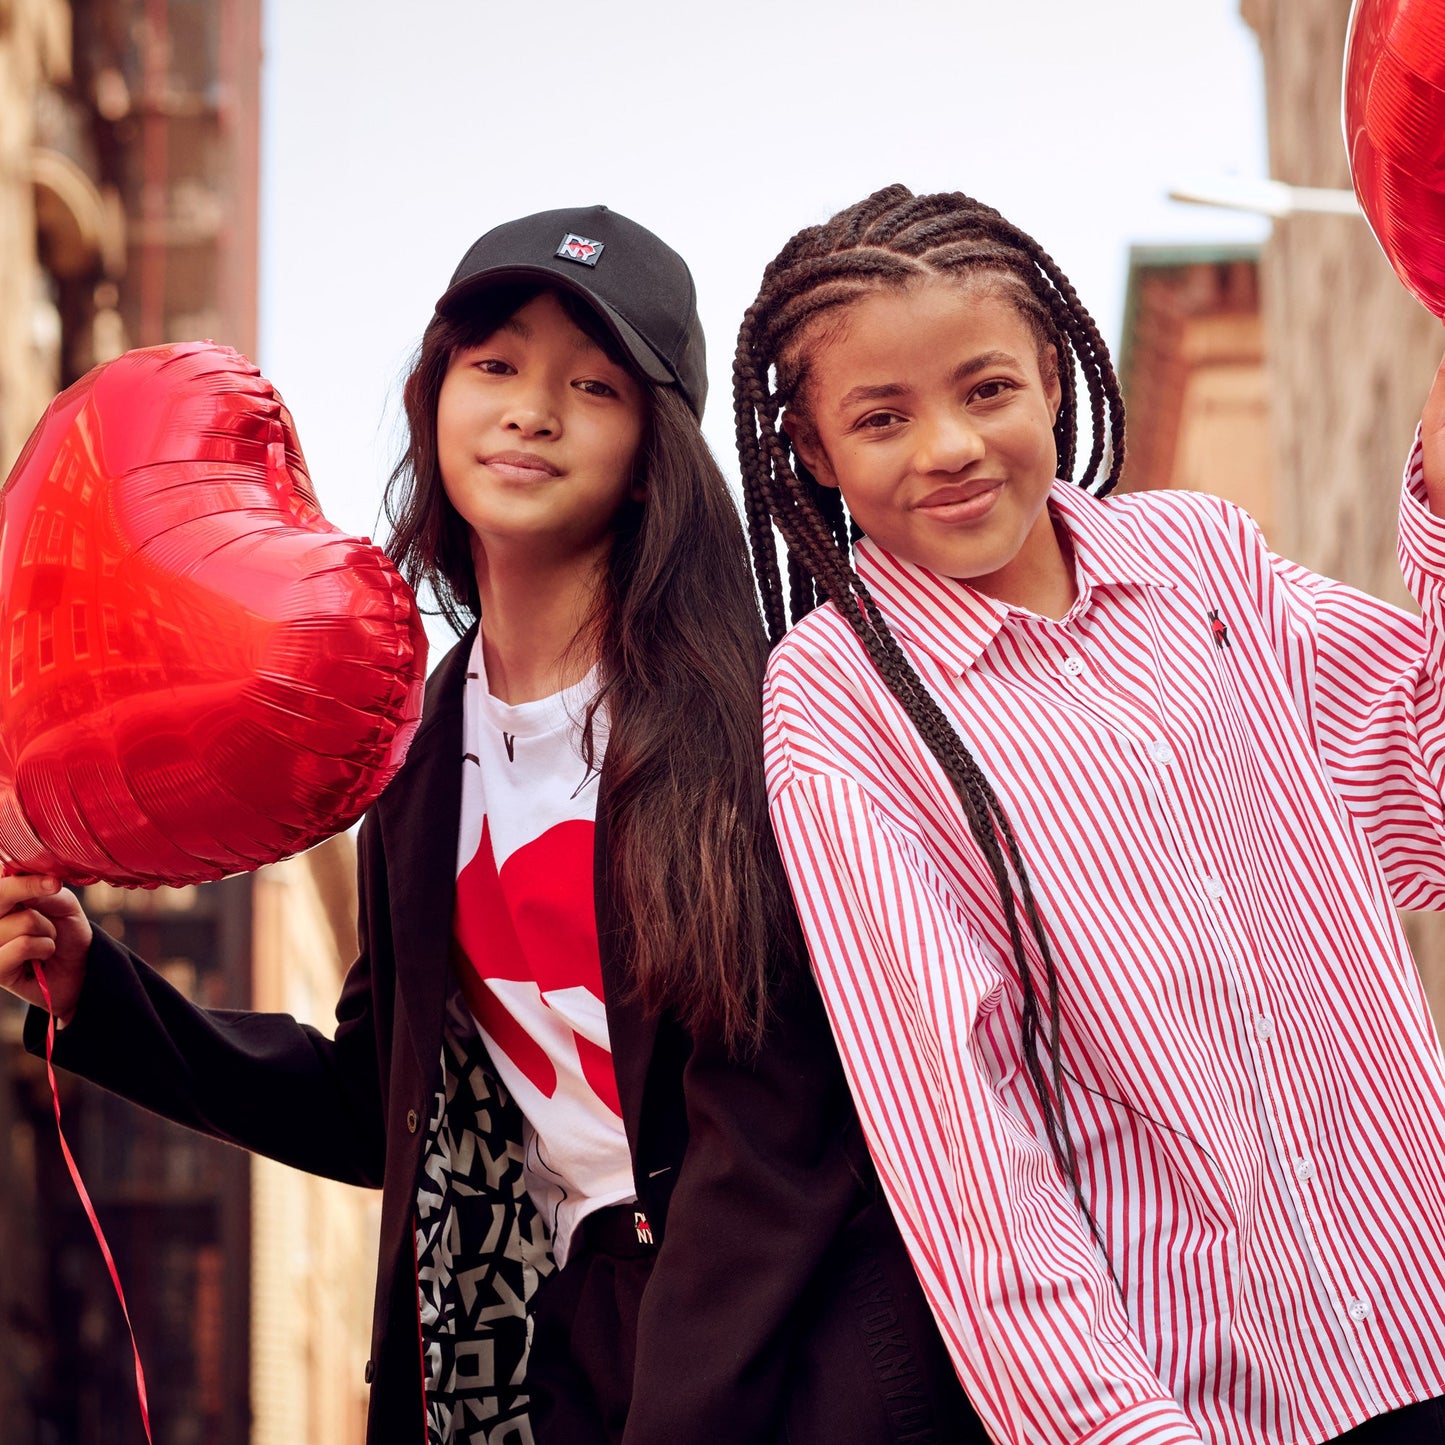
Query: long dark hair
(894, 238)
(700, 896)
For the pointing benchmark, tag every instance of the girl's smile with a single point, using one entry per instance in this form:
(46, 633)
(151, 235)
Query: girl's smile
(932, 410)
(521, 466)
(961, 503)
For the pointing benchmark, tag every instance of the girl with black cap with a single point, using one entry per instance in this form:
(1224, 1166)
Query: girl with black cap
(580, 1051)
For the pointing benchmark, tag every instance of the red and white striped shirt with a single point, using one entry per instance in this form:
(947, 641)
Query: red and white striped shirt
(1223, 771)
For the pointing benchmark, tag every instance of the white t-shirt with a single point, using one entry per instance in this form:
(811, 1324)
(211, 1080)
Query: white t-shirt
(526, 939)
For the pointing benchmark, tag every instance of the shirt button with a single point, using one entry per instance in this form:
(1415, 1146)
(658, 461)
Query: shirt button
(1359, 1310)
(1304, 1168)
(1264, 1027)
(1073, 666)
(1161, 752)
(1214, 888)
(411, 1121)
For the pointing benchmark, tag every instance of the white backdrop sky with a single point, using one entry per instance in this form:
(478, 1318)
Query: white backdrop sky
(394, 134)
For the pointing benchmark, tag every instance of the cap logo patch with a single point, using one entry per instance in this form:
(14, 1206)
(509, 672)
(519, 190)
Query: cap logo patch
(579, 249)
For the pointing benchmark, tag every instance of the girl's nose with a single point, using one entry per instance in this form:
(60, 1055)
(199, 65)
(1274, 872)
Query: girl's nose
(948, 444)
(532, 414)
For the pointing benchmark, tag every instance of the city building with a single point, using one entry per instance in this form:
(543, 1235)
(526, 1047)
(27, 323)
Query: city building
(129, 157)
(129, 185)
(1191, 365)
(1350, 352)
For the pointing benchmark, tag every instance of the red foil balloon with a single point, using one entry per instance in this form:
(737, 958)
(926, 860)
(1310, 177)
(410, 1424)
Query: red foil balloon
(198, 673)
(1394, 118)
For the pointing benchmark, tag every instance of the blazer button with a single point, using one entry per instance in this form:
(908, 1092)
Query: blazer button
(411, 1121)
(370, 1371)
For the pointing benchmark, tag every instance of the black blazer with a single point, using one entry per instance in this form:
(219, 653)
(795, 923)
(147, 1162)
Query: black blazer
(781, 1306)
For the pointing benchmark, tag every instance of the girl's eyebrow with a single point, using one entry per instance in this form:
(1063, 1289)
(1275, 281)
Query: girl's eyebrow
(871, 393)
(981, 362)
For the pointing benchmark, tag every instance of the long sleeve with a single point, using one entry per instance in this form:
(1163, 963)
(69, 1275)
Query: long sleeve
(1369, 680)
(1034, 1324)
(263, 1081)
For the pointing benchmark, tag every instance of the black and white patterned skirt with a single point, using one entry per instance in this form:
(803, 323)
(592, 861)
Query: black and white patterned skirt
(481, 1248)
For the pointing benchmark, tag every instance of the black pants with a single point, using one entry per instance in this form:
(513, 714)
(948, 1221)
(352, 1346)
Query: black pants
(865, 1308)
(584, 1342)
(1422, 1424)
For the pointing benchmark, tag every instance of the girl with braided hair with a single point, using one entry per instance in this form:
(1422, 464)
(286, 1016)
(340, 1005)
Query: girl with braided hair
(1097, 814)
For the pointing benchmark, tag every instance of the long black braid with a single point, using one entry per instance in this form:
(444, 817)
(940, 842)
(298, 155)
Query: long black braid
(891, 238)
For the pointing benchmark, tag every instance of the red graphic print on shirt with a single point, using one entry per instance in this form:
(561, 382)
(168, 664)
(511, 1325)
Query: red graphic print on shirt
(534, 922)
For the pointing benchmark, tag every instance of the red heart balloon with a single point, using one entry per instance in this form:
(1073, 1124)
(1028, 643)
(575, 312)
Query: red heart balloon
(1394, 119)
(198, 672)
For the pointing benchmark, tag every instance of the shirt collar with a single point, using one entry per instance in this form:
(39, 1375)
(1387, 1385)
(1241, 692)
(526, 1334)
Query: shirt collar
(955, 623)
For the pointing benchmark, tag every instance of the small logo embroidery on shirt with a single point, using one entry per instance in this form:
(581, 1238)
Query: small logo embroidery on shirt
(580, 249)
(644, 1229)
(1218, 628)
(510, 741)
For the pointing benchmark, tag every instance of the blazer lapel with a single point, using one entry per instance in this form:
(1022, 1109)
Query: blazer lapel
(632, 1029)
(420, 815)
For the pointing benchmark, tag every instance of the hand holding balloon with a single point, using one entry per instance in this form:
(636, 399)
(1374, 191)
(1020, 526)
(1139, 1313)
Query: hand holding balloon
(198, 673)
(42, 926)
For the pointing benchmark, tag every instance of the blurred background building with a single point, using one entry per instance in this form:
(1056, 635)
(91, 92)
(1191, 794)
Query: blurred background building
(1191, 363)
(1289, 378)
(129, 159)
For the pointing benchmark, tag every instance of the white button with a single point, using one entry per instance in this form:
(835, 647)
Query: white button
(1264, 1027)
(1359, 1310)
(1214, 888)
(1073, 666)
(1304, 1168)
(1161, 752)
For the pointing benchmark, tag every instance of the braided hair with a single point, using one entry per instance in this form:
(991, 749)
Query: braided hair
(891, 239)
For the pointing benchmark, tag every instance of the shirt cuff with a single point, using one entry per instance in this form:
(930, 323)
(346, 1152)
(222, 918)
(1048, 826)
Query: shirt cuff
(1154, 1422)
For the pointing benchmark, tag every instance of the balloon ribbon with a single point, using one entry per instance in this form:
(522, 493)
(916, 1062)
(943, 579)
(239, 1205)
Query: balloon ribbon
(140, 1378)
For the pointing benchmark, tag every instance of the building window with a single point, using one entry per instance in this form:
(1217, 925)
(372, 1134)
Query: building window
(80, 630)
(47, 640)
(17, 652)
(77, 549)
(111, 621)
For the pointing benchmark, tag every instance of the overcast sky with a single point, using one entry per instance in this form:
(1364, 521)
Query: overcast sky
(394, 135)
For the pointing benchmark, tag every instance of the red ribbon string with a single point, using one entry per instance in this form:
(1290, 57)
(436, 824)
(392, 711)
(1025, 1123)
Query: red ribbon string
(140, 1378)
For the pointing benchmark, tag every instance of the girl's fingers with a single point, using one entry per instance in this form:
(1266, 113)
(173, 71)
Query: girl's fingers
(43, 927)
(17, 957)
(24, 888)
(22, 923)
(25, 937)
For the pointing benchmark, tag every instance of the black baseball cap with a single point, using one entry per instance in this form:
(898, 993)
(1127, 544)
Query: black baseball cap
(640, 286)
